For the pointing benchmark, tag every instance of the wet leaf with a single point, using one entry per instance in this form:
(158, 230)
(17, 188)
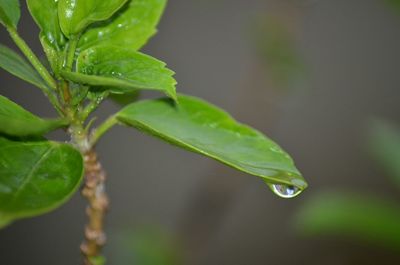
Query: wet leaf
(14, 64)
(9, 13)
(122, 70)
(205, 129)
(45, 14)
(36, 177)
(76, 15)
(16, 121)
(131, 27)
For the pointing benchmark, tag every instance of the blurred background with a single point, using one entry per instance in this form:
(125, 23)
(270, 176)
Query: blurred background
(321, 77)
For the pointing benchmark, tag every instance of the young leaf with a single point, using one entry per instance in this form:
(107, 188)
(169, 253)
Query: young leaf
(203, 128)
(76, 15)
(36, 177)
(122, 70)
(9, 13)
(13, 63)
(45, 14)
(16, 121)
(130, 27)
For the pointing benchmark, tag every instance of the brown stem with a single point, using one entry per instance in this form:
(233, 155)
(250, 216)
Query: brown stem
(94, 192)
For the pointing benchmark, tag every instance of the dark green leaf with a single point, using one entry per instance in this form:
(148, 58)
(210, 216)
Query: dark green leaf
(344, 214)
(76, 15)
(384, 144)
(36, 177)
(131, 27)
(13, 63)
(125, 99)
(9, 13)
(203, 128)
(16, 121)
(122, 70)
(45, 14)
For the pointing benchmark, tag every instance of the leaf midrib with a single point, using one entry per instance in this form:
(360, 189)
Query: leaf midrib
(30, 175)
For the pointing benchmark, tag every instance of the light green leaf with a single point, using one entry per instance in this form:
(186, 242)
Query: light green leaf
(9, 13)
(384, 145)
(54, 56)
(130, 27)
(362, 217)
(45, 14)
(205, 129)
(36, 177)
(16, 121)
(122, 70)
(76, 15)
(13, 63)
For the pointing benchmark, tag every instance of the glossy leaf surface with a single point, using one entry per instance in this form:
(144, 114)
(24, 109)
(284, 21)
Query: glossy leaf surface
(16, 121)
(205, 129)
(76, 15)
(45, 14)
(122, 70)
(36, 177)
(13, 63)
(9, 13)
(131, 27)
(359, 216)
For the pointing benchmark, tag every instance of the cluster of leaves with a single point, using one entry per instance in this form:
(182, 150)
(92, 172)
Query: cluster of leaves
(92, 51)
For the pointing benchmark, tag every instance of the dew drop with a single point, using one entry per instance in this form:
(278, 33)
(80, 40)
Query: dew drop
(285, 191)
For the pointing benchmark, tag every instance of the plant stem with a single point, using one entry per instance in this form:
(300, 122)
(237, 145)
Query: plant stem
(94, 192)
(32, 58)
(42, 71)
(71, 53)
(102, 129)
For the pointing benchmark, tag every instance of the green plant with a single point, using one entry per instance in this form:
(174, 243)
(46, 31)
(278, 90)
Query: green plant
(92, 52)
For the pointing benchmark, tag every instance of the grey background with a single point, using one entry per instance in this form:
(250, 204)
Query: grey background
(350, 49)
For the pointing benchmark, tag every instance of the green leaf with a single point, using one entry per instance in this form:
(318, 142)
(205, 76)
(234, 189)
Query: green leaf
(13, 63)
(9, 13)
(130, 27)
(36, 177)
(54, 56)
(16, 121)
(45, 14)
(384, 145)
(125, 99)
(76, 15)
(362, 217)
(122, 70)
(205, 129)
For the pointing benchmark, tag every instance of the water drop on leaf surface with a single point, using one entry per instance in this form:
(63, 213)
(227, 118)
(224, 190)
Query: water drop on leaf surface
(285, 191)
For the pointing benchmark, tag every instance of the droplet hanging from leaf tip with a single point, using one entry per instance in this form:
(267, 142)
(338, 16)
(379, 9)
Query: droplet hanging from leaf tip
(285, 191)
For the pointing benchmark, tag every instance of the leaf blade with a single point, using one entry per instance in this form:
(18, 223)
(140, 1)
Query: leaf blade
(130, 28)
(47, 20)
(9, 13)
(16, 121)
(14, 64)
(76, 15)
(205, 129)
(36, 177)
(122, 70)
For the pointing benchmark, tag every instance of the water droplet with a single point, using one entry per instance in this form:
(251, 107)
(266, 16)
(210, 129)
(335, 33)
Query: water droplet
(285, 191)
